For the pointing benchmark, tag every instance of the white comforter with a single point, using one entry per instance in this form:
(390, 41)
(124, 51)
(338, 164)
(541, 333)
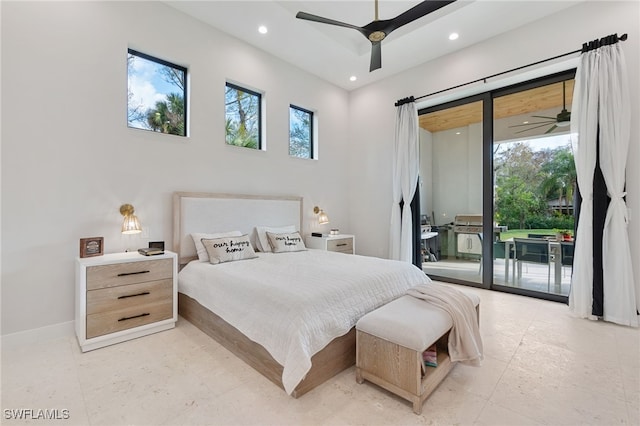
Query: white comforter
(294, 304)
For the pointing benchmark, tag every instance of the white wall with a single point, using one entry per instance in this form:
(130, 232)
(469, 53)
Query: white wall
(69, 161)
(456, 172)
(426, 179)
(372, 108)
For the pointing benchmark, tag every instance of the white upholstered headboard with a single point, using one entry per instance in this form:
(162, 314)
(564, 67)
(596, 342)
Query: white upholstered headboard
(211, 213)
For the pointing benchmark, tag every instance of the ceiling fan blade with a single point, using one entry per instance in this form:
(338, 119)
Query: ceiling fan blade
(531, 124)
(532, 128)
(416, 12)
(376, 56)
(309, 17)
(551, 129)
(542, 116)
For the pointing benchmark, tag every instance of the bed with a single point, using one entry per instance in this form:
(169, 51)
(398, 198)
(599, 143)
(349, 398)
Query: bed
(289, 315)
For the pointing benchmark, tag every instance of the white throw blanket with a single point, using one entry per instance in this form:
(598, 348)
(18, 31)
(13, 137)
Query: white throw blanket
(465, 343)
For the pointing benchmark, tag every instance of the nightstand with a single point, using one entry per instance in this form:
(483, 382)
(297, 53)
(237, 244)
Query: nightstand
(123, 296)
(341, 243)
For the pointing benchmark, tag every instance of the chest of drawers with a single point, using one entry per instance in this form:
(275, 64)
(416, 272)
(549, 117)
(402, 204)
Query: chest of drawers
(122, 296)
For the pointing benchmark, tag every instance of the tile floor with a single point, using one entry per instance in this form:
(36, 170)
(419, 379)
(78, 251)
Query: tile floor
(541, 367)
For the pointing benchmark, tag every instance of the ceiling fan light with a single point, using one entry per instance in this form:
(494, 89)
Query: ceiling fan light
(563, 123)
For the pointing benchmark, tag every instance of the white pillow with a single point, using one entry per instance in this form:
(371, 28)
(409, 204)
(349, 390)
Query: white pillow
(228, 249)
(262, 242)
(283, 243)
(203, 256)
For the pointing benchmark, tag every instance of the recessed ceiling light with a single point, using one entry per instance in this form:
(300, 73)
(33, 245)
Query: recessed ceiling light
(453, 36)
(353, 78)
(457, 133)
(525, 122)
(262, 29)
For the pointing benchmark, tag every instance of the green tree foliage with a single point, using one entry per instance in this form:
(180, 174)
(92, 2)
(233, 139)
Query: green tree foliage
(168, 115)
(515, 201)
(559, 177)
(242, 118)
(525, 180)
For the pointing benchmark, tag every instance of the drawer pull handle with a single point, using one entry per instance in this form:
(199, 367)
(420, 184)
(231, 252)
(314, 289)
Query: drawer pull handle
(144, 293)
(124, 274)
(341, 244)
(135, 316)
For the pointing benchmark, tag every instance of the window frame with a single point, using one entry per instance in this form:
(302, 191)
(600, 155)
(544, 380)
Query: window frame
(185, 90)
(312, 137)
(259, 95)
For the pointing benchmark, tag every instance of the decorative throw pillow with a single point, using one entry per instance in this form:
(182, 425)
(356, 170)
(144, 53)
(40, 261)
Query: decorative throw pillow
(262, 242)
(228, 249)
(203, 256)
(281, 243)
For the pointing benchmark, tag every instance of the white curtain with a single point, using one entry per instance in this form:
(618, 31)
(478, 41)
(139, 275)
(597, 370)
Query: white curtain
(584, 127)
(405, 178)
(615, 123)
(601, 111)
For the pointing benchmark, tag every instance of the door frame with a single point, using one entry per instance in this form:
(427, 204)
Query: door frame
(488, 178)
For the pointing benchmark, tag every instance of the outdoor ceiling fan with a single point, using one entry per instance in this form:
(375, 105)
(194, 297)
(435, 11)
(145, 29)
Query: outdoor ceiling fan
(377, 30)
(563, 119)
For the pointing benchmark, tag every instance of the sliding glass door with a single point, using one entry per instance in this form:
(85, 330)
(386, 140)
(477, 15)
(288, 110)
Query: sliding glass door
(534, 183)
(451, 186)
(497, 181)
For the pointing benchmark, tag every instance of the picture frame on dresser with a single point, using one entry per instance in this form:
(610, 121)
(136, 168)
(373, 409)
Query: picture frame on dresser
(90, 247)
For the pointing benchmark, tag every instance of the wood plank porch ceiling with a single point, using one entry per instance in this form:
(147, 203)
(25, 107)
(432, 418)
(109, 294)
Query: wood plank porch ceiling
(526, 102)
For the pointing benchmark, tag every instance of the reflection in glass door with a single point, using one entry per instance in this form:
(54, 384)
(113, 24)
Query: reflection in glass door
(534, 182)
(451, 191)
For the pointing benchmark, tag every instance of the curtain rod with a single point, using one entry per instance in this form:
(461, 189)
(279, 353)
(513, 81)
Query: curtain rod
(591, 45)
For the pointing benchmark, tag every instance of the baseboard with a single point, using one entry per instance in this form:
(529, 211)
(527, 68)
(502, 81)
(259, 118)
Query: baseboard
(38, 335)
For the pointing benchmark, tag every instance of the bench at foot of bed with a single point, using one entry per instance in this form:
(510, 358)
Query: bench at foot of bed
(390, 342)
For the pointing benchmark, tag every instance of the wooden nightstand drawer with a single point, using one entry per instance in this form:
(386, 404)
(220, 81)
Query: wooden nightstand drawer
(103, 276)
(342, 245)
(122, 319)
(121, 297)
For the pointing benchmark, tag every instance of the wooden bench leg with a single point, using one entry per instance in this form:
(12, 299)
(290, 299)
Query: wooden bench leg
(359, 378)
(417, 405)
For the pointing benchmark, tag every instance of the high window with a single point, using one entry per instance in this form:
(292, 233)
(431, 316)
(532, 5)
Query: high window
(243, 109)
(157, 94)
(300, 132)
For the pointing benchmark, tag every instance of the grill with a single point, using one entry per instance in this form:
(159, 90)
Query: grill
(467, 224)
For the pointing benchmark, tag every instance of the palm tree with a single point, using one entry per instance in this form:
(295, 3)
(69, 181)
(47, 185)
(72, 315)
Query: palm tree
(559, 177)
(168, 115)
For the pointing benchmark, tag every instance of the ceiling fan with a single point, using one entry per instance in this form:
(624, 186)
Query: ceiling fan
(563, 119)
(377, 30)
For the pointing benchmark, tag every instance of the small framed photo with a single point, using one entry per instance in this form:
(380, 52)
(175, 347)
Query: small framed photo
(91, 246)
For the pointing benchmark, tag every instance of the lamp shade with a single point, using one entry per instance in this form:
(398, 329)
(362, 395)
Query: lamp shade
(322, 216)
(130, 224)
